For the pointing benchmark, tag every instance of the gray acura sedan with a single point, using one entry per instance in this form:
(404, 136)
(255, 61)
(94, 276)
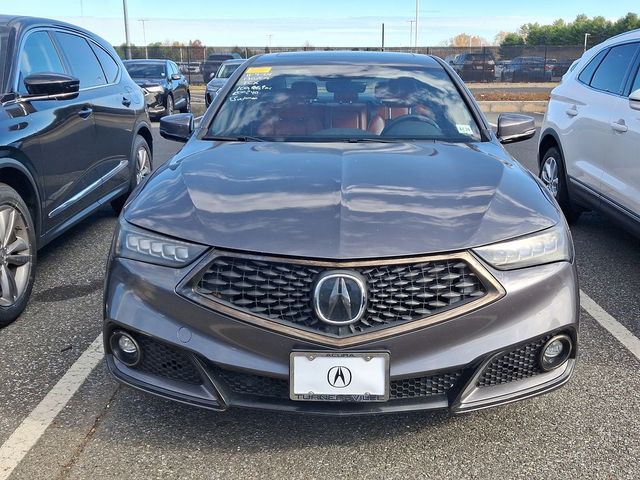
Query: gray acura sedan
(342, 233)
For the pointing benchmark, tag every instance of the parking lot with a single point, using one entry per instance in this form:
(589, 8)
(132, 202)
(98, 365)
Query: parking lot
(588, 429)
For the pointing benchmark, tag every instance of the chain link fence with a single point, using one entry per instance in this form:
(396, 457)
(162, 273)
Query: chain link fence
(521, 63)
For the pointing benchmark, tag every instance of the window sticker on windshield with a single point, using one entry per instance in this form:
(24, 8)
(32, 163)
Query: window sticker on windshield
(251, 84)
(464, 129)
(258, 70)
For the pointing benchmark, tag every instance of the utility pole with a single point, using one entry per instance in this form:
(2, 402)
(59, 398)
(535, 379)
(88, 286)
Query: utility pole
(127, 43)
(382, 37)
(416, 30)
(586, 36)
(411, 22)
(144, 36)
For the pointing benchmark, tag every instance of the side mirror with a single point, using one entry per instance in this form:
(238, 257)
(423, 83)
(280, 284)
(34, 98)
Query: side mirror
(42, 86)
(175, 76)
(634, 100)
(178, 127)
(513, 127)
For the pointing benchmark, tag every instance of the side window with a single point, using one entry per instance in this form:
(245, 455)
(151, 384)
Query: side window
(83, 62)
(587, 74)
(109, 65)
(38, 56)
(611, 73)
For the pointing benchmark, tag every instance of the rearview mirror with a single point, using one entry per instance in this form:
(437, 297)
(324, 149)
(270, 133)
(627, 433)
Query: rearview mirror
(178, 127)
(175, 76)
(513, 127)
(50, 86)
(634, 100)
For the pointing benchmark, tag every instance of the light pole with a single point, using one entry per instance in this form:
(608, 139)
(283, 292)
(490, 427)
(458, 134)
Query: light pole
(416, 30)
(127, 43)
(144, 36)
(411, 22)
(586, 36)
(269, 36)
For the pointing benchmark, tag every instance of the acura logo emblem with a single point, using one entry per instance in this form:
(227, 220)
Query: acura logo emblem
(340, 298)
(339, 377)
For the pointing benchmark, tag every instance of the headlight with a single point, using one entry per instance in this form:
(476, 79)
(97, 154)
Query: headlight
(547, 246)
(155, 89)
(139, 244)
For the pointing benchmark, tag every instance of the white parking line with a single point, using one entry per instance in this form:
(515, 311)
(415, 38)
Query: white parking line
(33, 427)
(615, 328)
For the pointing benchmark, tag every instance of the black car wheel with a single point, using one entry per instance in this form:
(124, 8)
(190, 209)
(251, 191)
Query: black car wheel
(141, 163)
(552, 174)
(187, 105)
(17, 255)
(169, 107)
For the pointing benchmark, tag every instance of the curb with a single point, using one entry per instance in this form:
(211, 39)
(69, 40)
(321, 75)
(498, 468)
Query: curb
(537, 106)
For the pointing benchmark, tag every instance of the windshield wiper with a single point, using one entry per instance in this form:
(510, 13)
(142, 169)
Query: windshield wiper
(369, 140)
(239, 138)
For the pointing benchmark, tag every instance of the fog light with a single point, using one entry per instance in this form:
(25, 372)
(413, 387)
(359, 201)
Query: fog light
(555, 352)
(125, 348)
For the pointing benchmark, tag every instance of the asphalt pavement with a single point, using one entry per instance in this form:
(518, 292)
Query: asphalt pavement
(587, 429)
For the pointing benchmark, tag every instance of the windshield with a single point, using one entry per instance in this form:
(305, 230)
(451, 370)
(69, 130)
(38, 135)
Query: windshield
(146, 70)
(338, 102)
(226, 70)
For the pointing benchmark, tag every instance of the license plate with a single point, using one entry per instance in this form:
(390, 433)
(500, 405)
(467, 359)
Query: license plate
(339, 377)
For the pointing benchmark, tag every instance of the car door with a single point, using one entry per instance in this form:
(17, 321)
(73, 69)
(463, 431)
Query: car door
(66, 133)
(83, 64)
(179, 86)
(114, 109)
(585, 117)
(621, 177)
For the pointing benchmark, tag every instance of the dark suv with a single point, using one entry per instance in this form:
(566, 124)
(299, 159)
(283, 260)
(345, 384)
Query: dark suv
(475, 67)
(212, 63)
(74, 136)
(165, 87)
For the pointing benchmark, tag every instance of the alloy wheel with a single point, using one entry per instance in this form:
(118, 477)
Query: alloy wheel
(15, 255)
(143, 164)
(169, 109)
(549, 175)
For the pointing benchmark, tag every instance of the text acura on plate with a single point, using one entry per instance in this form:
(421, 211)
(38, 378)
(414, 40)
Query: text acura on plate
(341, 234)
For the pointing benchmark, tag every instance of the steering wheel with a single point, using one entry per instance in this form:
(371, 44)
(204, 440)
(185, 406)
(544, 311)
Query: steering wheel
(393, 125)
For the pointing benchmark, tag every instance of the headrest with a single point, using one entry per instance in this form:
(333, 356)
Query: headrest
(403, 86)
(345, 86)
(306, 90)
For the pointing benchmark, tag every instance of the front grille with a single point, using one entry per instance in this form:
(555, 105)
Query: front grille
(517, 364)
(249, 384)
(282, 292)
(261, 386)
(165, 361)
(423, 386)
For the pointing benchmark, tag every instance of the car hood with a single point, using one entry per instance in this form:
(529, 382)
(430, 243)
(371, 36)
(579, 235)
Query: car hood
(216, 82)
(342, 200)
(149, 82)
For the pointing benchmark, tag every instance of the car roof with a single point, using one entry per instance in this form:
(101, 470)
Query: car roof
(630, 35)
(23, 22)
(235, 61)
(146, 60)
(346, 56)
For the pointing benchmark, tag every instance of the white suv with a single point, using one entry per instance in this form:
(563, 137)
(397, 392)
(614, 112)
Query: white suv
(589, 151)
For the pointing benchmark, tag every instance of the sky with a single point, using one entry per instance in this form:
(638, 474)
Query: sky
(320, 23)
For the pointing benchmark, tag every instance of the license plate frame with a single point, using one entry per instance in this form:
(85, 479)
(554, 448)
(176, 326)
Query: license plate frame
(323, 391)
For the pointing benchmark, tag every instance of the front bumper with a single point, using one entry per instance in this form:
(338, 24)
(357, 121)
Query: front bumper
(155, 102)
(243, 365)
